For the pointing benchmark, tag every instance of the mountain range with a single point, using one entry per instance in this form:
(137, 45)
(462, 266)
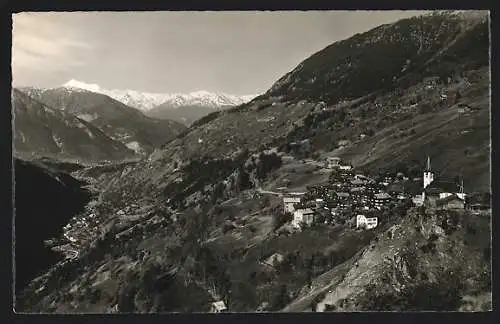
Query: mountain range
(184, 108)
(128, 128)
(193, 221)
(46, 131)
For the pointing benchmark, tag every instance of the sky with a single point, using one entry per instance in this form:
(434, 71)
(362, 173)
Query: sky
(239, 53)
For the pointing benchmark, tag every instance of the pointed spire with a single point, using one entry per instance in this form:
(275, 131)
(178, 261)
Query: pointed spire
(428, 163)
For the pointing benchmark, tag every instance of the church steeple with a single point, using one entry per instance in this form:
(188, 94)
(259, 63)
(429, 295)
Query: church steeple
(428, 175)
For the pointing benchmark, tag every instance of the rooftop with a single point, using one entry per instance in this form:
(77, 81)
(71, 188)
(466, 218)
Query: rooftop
(448, 199)
(357, 182)
(382, 195)
(441, 186)
(219, 305)
(306, 211)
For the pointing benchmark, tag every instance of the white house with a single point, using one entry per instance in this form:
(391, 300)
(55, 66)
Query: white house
(345, 167)
(370, 222)
(303, 216)
(418, 200)
(381, 199)
(332, 162)
(288, 204)
(218, 307)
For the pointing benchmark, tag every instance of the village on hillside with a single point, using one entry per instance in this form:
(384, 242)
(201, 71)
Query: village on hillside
(353, 198)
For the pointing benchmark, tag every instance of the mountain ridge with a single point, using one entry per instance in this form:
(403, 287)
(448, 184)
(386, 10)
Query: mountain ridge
(145, 101)
(43, 130)
(122, 123)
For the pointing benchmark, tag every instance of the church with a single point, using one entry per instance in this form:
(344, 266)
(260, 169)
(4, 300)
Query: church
(437, 193)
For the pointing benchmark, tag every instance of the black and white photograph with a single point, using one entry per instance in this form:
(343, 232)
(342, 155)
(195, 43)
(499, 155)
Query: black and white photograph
(251, 161)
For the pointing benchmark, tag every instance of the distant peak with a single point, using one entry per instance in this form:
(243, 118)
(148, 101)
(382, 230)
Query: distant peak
(82, 85)
(146, 101)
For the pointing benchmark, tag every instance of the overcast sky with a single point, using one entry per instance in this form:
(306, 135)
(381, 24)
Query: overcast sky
(233, 52)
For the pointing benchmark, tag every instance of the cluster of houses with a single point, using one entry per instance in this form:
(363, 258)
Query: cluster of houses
(351, 193)
(79, 228)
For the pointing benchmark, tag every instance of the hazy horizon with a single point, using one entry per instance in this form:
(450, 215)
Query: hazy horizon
(237, 53)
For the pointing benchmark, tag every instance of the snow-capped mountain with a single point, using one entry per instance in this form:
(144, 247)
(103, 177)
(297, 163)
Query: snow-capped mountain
(146, 101)
(118, 121)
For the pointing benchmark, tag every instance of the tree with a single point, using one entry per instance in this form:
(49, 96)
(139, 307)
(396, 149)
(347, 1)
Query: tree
(309, 276)
(281, 298)
(280, 218)
(370, 132)
(315, 155)
(341, 116)
(317, 300)
(224, 283)
(242, 179)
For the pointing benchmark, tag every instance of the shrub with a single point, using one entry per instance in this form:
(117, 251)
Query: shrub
(227, 227)
(433, 237)
(330, 308)
(280, 299)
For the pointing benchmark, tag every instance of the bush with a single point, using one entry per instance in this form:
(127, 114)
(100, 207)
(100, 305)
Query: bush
(227, 227)
(330, 308)
(433, 237)
(280, 219)
(429, 247)
(280, 299)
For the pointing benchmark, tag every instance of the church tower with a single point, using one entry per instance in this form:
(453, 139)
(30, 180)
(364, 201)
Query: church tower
(428, 175)
(461, 194)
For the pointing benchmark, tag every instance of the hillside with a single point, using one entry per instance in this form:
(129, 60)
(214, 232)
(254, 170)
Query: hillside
(380, 59)
(120, 122)
(375, 124)
(197, 219)
(42, 130)
(44, 202)
(429, 261)
(182, 114)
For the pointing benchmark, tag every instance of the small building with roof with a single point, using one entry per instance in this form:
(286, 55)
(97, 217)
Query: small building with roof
(381, 199)
(332, 162)
(289, 203)
(450, 202)
(218, 307)
(300, 216)
(368, 223)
